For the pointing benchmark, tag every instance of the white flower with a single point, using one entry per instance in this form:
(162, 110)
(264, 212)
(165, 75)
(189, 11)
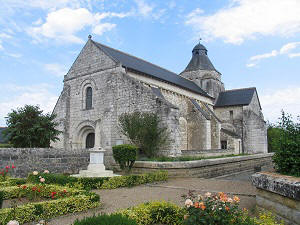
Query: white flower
(35, 173)
(188, 203)
(40, 177)
(207, 194)
(42, 180)
(229, 200)
(46, 171)
(13, 222)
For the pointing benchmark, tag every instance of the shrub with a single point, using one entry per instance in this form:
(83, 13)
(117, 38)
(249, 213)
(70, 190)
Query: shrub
(113, 219)
(287, 157)
(145, 131)
(217, 209)
(266, 218)
(1, 198)
(132, 180)
(125, 156)
(155, 213)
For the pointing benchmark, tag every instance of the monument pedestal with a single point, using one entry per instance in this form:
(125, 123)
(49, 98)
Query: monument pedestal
(96, 167)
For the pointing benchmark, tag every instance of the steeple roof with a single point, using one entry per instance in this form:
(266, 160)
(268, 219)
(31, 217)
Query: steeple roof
(200, 60)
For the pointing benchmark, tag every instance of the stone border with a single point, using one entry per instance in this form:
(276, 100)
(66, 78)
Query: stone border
(198, 163)
(287, 186)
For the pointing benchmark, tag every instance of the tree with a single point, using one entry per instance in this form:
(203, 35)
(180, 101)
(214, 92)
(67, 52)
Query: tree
(145, 131)
(274, 134)
(29, 127)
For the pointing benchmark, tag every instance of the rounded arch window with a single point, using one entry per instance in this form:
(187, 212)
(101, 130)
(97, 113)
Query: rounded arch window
(89, 98)
(90, 140)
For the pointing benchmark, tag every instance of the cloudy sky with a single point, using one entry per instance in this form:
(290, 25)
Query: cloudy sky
(251, 42)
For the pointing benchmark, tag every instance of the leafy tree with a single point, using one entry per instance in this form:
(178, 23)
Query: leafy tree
(145, 131)
(274, 134)
(29, 127)
(287, 157)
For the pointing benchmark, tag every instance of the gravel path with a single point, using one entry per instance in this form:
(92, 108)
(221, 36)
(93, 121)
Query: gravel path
(121, 198)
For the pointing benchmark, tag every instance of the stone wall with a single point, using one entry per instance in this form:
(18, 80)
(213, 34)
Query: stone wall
(27, 160)
(279, 194)
(207, 168)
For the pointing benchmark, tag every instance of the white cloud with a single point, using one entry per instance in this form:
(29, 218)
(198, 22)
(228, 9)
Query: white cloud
(246, 19)
(143, 8)
(14, 55)
(284, 50)
(63, 24)
(102, 28)
(286, 99)
(56, 69)
(21, 95)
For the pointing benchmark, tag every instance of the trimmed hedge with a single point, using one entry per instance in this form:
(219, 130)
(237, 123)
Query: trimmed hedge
(49, 209)
(88, 183)
(113, 219)
(125, 155)
(156, 213)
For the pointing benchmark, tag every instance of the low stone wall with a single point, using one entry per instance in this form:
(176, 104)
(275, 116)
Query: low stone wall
(206, 168)
(208, 153)
(27, 160)
(279, 194)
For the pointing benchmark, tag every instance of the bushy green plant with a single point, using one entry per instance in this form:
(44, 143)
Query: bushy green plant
(145, 131)
(125, 156)
(156, 213)
(287, 157)
(1, 198)
(267, 218)
(113, 219)
(133, 180)
(214, 209)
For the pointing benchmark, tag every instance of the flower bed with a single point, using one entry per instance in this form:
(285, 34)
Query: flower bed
(45, 200)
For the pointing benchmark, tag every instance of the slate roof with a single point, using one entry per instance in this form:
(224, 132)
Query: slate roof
(236, 97)
(200, 60)
(157, 92)
(147, 68)
(202, 111)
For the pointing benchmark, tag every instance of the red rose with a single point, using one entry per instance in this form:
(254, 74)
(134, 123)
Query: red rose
(39, 190)
(7, 167)
(24, 187)
(13, 166)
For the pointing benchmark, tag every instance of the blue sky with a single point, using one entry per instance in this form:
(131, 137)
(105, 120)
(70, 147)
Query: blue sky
(251, 42)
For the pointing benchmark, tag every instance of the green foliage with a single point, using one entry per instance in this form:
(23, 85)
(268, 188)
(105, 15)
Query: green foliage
(125, 156)
(274, 134)
(1, 198)
(29, 127)
(133, 180)
(145, 131)
(267, 218)
(88, 183)
(48, 209)
(155, 213)
(6, 145)
(287, 157)
(113, 219)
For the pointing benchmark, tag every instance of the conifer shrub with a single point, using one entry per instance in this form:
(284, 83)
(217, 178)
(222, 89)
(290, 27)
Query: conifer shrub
(113, 219)
(125, 155)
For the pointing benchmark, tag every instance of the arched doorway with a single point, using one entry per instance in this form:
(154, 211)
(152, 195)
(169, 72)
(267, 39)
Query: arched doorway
(90, 140)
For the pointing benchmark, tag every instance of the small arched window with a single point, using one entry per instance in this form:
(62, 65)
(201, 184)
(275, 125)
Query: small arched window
(90, 140)
(89, 98)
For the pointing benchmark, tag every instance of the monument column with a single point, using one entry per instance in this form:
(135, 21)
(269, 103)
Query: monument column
(97, 135)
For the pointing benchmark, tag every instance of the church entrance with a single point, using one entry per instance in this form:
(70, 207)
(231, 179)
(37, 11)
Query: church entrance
(90, 140)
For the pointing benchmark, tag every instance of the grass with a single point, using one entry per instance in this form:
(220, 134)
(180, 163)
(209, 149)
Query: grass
(4, 145)
(186, 158)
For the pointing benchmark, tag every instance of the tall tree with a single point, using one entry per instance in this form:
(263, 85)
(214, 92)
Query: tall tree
(29, 127)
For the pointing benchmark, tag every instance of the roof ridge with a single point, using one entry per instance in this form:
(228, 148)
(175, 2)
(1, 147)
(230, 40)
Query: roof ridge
(239, 89)
(136, 57)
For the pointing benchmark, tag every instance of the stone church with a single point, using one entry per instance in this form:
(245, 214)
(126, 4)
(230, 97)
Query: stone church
(200, 114)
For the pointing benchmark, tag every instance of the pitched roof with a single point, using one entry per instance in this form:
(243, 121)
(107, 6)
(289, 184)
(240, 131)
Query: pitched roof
(200, 60)
(235, 97)
(147, 68)
(202, 111)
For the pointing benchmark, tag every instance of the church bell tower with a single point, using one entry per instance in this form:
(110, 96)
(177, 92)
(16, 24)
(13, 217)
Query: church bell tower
(201, 71)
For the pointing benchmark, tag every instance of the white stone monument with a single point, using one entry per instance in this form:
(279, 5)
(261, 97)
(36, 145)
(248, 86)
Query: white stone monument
(96, 167)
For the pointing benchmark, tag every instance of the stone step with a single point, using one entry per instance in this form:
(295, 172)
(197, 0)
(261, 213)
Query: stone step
(88, 173)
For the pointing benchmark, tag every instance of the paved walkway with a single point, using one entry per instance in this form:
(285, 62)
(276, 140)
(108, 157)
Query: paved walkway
(172, 190)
